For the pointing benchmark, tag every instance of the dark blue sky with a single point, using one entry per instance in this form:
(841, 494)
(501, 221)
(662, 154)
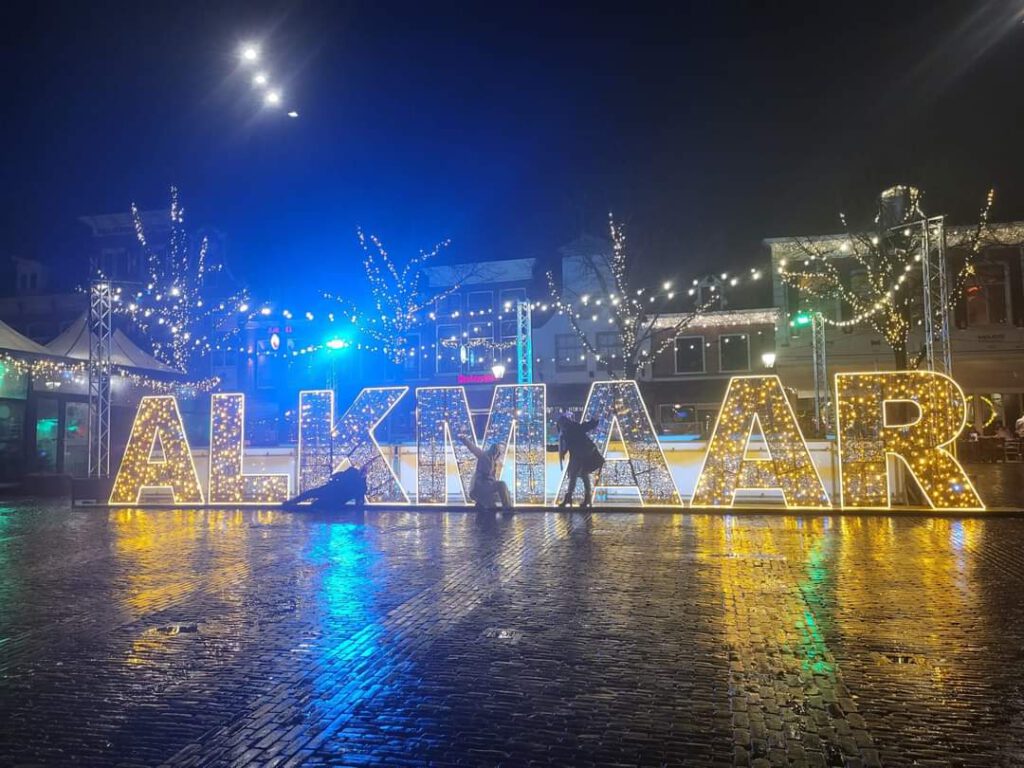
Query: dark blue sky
(508, 128)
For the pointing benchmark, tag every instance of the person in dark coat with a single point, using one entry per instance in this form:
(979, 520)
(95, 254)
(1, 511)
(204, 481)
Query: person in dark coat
(486, 485)
(584, 457)
(343, 487)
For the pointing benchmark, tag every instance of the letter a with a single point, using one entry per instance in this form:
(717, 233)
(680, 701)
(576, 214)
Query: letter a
(761, 401)
(157, 422)
(867, 438)
(618, 407)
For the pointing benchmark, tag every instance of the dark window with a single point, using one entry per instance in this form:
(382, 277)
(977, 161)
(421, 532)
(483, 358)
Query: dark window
(510, 296)
(569, 355)
(448, 306)
(734, 351)
(413, 355)
(986, 295)
(689, 354)
(609, 347)
(480, 301)
(696, 420)
(448, 342)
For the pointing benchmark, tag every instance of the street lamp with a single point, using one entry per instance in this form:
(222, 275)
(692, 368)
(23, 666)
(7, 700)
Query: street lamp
(498, 369)
(250, 53)
(768, 358)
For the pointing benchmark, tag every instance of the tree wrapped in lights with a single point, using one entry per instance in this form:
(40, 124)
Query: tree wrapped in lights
(632, 312)
(876, 271)
(398, 297)
(172, 309)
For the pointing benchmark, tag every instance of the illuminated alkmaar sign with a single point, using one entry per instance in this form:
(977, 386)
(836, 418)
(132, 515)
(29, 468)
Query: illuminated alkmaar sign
(909, 416)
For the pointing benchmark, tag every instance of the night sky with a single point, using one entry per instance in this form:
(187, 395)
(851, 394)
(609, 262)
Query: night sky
(509, 128)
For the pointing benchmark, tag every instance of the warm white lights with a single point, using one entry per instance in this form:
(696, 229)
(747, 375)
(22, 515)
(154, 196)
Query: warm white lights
(157, 456)
(272, 98)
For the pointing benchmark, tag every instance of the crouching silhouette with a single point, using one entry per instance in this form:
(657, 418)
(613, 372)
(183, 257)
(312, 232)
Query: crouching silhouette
(343, 487)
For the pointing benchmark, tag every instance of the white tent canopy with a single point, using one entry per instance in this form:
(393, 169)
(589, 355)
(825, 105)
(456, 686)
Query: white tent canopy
(12, 341)
(74, 343)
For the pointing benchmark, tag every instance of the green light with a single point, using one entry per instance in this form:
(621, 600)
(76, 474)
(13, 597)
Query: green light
(801, 319)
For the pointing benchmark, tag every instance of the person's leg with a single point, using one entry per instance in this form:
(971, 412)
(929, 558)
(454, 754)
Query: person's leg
(309, 495)
(571, 490)
(506, 501)
(586, 490)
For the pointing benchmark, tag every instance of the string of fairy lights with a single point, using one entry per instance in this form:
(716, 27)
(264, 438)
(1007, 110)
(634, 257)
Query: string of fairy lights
(55, 373)
(888, 258)
(173, 309)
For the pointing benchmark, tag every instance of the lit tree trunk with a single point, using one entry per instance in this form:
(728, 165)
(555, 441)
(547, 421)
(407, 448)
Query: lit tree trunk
(899, 354)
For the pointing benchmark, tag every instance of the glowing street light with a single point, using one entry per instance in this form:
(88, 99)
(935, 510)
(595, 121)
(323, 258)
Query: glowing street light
(272, 99)
(250, 53)
(259, 79)
(498, 369)
(293, 113)
(768, 358)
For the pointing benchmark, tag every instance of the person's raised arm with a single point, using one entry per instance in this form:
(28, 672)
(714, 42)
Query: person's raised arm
(471, 444)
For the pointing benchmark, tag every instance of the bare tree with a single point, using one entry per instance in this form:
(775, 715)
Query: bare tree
(401, 298)
(875, 270)
(632, 312)
(175, 308)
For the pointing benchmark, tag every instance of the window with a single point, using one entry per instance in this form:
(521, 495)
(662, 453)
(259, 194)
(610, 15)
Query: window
(987, 302)
(413, 355)
(449, 306)
(507, 329)
(448, 341)
(13, 384)
(696, 420)
(569, 352)
(510, 296)
(478, 348)
(689, 354)
(609, 347)
(734, 352)
(480, 301)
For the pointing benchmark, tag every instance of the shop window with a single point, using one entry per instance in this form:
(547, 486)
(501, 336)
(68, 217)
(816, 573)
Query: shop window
(12, 439)
(76, 439)
(46, 435)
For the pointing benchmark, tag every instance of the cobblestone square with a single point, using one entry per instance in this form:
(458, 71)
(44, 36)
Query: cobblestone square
(252, 637)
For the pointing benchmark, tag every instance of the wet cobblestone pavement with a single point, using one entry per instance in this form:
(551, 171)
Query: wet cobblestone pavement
(256, 637)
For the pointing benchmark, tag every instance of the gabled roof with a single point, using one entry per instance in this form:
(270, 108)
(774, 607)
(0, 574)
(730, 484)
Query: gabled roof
(74, 343)
(12, 341)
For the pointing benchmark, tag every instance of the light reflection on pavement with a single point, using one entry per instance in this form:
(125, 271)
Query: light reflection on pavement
(214, 637)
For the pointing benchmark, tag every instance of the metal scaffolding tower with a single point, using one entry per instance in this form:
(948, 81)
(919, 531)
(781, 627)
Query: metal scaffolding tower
(524, 343)
(100, 311)
(822, 390)
(935, 286)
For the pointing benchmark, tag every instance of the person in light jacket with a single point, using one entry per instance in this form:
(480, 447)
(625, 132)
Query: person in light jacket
(486, 485)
